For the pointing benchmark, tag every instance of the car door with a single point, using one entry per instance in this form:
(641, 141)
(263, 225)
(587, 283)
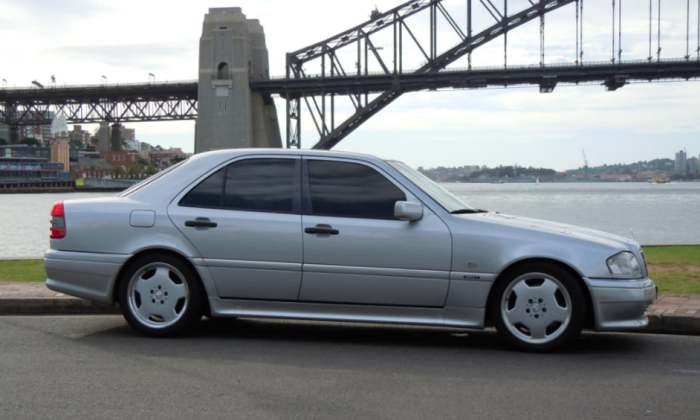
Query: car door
(356, 251)
(245, 221)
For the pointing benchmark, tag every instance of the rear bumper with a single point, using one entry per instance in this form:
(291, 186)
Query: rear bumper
(83, 274)
(621, 304)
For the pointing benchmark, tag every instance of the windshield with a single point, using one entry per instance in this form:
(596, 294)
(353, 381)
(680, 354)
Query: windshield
(149, 180)
(443, 197)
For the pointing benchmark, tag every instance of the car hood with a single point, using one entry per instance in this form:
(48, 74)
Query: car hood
(572, 231)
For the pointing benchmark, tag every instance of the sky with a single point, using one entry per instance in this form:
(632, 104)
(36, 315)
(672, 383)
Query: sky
(78, 41)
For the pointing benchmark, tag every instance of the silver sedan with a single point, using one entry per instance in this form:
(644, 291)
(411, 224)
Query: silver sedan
(341, 237)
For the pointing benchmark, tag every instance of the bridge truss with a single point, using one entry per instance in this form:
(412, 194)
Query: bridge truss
(110, 103)
(319, 92)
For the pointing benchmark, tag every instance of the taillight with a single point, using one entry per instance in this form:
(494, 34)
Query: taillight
(58, 221)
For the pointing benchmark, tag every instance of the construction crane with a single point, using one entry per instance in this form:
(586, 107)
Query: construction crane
(585, 164)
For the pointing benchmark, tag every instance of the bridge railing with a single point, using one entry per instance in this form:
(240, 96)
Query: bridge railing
(553, 66)
(97, 86)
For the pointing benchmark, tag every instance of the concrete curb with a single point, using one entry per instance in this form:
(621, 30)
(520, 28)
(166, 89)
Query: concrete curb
(54, 306)
(673, 324)
(658, 324)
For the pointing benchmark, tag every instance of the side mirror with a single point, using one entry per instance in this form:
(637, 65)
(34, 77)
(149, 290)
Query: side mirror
(404, 210)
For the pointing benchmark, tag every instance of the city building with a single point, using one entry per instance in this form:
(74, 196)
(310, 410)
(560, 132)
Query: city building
(78, 135)
(39, 132)
(128, 133)
(5, 132)
(693, 166)
(30, 151)
(132, 145)
(145, 149)
(60, 152)
(91, 166)
(121, 158)
(13, 170)
(163, 158)
(681, 163)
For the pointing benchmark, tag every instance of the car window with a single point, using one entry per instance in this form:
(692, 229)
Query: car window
(260, 185)
(351, 190)
(208, 193)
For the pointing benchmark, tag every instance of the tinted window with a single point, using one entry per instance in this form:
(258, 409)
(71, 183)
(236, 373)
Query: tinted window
(206, 194)
(261, 185)
(351, 190)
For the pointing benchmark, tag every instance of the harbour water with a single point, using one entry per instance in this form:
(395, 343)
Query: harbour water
(659, 214)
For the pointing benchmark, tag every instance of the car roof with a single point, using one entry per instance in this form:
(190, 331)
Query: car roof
(295, 152)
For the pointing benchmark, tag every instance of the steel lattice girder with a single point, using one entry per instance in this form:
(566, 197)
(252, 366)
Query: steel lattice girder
(479, 78)
(129, 103)
(435, 62)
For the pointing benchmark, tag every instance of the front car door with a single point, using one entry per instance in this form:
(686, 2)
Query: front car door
(356, 251)
(245, 220)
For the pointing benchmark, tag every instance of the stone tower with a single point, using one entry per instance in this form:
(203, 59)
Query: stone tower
(232, 51)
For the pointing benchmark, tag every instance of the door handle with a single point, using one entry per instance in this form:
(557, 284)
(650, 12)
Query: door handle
(201, 222)
(321, 230)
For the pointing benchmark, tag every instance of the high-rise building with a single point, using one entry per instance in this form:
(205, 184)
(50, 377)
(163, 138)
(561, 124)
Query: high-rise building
(128, 133)
(681, 162)
(79, 135)
(693, 165)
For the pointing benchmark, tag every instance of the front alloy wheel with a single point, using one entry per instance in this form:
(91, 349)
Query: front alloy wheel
(538, 307)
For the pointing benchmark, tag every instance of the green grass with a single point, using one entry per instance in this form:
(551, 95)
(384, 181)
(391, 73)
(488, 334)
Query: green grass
(22, 271)
(676, 262)
(673, 256)
(677, 282)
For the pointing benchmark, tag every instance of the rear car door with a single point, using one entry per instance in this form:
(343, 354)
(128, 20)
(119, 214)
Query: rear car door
(245, 220)
(369, 256)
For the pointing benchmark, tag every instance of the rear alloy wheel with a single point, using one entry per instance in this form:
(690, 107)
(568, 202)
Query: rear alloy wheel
(160, 296)
(539, 307)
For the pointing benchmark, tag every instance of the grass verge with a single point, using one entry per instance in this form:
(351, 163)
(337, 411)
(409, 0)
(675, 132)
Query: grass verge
(22, 271)
(675, 269)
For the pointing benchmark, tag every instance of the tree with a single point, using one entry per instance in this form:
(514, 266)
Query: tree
(150, 170)
(118, 171)
(132, 171)
(76, 143)
(143, 162)
(30, 141)
(3, 142)
(177, 160)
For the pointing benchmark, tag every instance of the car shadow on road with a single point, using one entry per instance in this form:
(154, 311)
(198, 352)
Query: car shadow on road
(263, 334)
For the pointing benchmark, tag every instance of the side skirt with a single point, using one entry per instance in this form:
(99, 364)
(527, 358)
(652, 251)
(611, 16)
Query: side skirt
(448, 316)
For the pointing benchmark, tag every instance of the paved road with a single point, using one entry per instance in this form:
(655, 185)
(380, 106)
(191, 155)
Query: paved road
(97, 367)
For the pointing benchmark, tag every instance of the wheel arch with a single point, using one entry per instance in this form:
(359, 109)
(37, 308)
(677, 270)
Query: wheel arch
(590, 317)
(151, 251)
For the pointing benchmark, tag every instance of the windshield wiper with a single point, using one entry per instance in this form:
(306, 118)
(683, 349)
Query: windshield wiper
(468, 211)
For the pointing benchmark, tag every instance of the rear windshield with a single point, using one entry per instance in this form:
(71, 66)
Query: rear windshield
(151, 179)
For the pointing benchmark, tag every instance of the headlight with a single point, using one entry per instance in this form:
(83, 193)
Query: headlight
(625, 265)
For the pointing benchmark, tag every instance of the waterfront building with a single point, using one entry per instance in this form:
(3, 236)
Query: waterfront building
(19, 169)
(121, 158)
(60, 152)
(30, 151)
(681, 162)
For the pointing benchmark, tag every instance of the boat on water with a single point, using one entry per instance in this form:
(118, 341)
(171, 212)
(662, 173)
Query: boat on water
(537, 181)
(659, 179)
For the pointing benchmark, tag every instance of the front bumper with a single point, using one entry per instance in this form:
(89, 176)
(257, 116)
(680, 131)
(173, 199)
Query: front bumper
(621, 304)
(83, 274)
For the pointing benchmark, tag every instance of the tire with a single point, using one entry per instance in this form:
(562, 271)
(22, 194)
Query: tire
(538, 307)
(160, 295)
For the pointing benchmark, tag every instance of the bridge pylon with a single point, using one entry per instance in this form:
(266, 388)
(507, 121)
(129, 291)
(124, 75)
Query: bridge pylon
(232, 51)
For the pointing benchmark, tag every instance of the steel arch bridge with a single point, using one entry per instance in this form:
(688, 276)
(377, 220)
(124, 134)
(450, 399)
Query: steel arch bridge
(351, 67)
